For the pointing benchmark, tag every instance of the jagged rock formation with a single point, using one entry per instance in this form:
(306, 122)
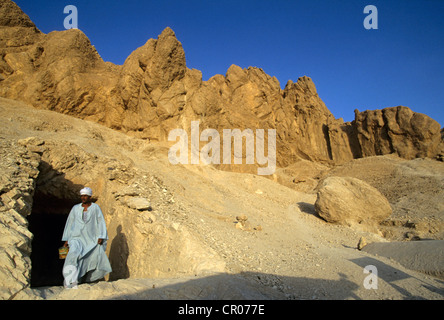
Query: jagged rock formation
(397, 130)
(154, 92)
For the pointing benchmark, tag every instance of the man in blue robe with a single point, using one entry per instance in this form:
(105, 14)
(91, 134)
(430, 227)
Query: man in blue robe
(86, 236)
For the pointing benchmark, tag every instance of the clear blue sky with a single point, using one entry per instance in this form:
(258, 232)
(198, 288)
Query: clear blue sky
(400, 63)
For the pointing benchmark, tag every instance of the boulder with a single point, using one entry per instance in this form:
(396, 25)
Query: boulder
(350, 201)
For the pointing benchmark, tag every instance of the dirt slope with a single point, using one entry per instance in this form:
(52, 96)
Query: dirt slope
(283, 251)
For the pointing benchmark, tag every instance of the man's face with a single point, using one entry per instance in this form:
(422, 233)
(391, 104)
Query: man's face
(85, 198)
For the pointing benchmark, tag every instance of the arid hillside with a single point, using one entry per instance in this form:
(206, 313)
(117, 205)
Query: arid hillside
(192, 231)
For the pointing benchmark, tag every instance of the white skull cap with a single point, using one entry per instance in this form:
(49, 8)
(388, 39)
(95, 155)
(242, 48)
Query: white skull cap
(86, 191)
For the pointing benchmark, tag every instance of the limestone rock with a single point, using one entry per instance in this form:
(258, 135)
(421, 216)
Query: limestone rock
(12, 16)
(149, 84)
(242, 223)
(242, 218)
(19, 169)
(139, 203)
(154, 92)
(350, 201)
(362, 243)
(397, 130)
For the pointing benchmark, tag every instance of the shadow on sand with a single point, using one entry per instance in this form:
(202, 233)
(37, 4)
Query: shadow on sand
(261, 286)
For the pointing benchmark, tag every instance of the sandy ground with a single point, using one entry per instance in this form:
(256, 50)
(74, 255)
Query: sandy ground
(292, 255)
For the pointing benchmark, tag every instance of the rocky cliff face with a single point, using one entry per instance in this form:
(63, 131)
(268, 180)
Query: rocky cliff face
(154, 92)
(397, 130)
(17, 185)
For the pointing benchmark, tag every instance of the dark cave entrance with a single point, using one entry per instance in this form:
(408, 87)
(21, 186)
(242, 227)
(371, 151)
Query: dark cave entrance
(47, 222)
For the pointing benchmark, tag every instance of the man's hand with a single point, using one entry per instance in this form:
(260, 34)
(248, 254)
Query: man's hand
(65, 244)
(100, 241)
